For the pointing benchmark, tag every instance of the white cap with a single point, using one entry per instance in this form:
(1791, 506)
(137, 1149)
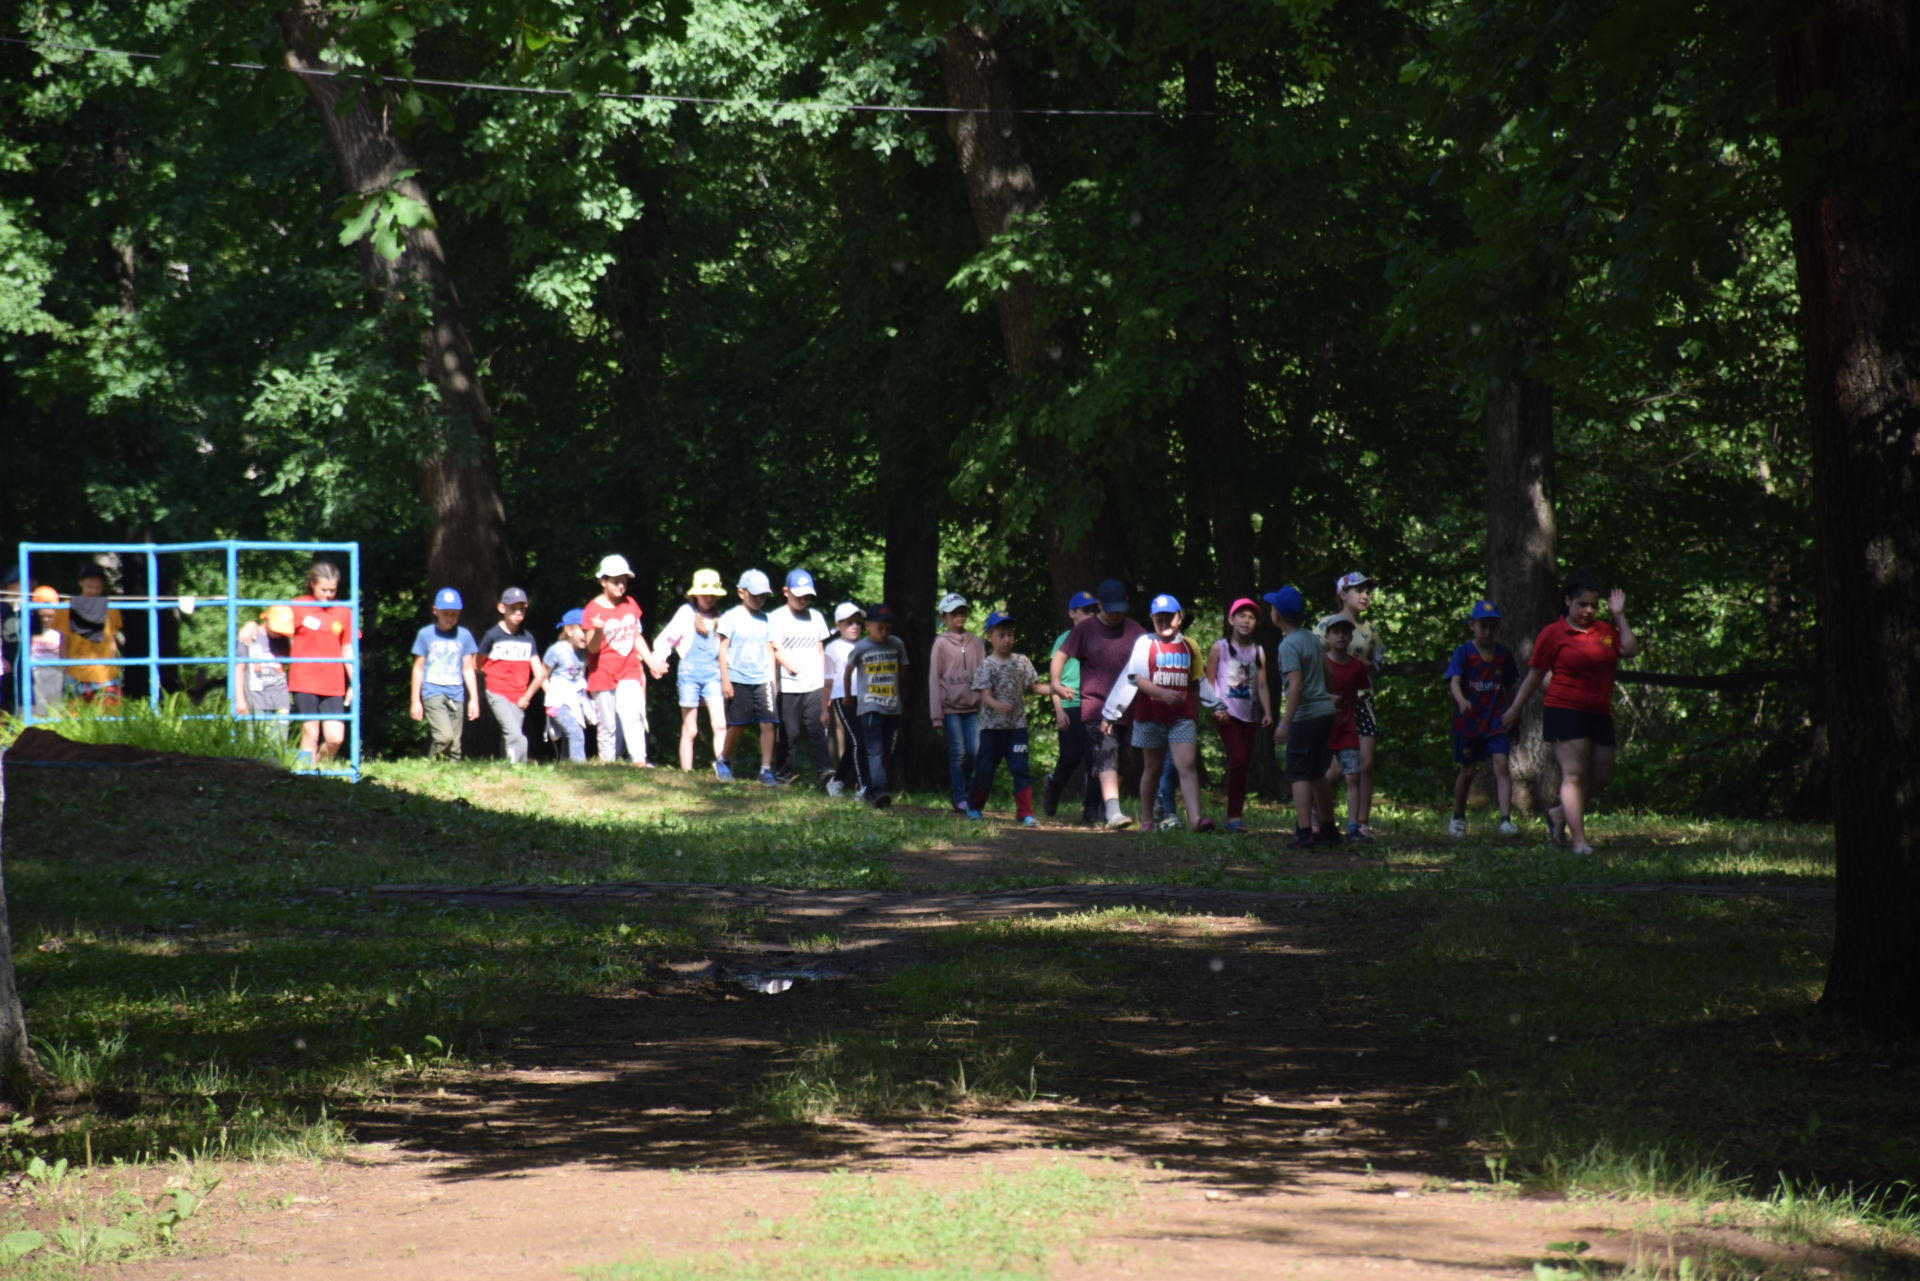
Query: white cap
(614, 566)
(755, 583)
(952, 601)
(846, 609)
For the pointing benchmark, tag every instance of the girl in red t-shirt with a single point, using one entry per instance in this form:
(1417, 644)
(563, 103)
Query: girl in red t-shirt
(1581, 652)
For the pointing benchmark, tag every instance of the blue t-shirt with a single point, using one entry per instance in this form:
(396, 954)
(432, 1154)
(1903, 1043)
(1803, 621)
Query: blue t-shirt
(443, 652)
(1481, 680)
(1301, 651)
(749, 662)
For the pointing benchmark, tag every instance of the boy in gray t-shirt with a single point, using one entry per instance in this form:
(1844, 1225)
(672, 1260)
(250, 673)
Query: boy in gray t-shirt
(1307, 723)
(874, 669)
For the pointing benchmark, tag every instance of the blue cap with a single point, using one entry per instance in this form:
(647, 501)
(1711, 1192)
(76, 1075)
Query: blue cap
(572, 616)
(880, 614)
(448, 598)
(1287, 602)
(1486, 609)
(1163, 604)
(800, 583)
(997, 619)
(1082, 600)
(1111, 596)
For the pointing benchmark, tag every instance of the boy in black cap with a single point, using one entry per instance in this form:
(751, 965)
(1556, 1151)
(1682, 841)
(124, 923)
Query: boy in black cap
(510, 664)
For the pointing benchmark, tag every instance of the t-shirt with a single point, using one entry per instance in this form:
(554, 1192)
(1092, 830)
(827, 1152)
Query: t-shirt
(1301, 651)
(1345, 683)
(875, 668)
(321, 631)
(1069, 673)
(618, 658)
(507, 661)
(1481, 680)
(834, 665)
(104, 646)
(566, 679)
(1164, 665)
(799, 638)
(264, 669)
(1103, 652)
(699, 655)
(749, 661)
(1236, 675)
(443, 652)
(1009, 680)
(1582, 664)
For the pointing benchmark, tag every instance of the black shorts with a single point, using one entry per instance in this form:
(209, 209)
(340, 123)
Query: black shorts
(320, 704)
(1563, 725)
(751, 705)
(1307, 753)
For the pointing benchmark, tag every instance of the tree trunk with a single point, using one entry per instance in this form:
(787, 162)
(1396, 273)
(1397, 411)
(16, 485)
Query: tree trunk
(910, 577)
(459, 487)
(21, 1076)
(996, 163)
(1522, 576)
(1855, 73)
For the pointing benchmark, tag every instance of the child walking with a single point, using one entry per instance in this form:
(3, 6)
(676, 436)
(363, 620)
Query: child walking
(569, 707)
(617, 658)
(442, 685)
(950, 695)
(1348, 684)
(799, 637)
(1164, 673)
(850, 766)
(48, 644)
(1306, 721)
(1481, 676)
(1071, 742)
(1003, 680)
(323, 631)
(260, 683)
(875, 666)
(513, 671)
(746, 672)
(1355, 591)
(1237, 671)
(693, 636)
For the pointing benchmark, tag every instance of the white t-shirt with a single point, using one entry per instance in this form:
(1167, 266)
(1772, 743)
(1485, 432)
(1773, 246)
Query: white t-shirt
(834, 660)
(798, 637)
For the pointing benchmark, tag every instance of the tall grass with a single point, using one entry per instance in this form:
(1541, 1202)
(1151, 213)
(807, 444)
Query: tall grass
(178, 724)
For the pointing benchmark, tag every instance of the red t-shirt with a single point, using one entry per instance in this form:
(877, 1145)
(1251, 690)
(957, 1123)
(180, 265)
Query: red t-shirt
(319, 631)
(1582, 665)
(507, 661)
(1169, 666)
(616, 660)
(1344, 683)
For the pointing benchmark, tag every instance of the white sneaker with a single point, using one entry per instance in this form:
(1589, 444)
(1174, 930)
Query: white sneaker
(1456, 827)
(835, 788)
(1507, 828)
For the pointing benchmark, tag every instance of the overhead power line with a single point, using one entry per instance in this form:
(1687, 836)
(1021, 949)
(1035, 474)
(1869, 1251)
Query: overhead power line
(543, 91)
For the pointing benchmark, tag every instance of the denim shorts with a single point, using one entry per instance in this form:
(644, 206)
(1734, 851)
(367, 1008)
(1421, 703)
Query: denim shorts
(1156, 735)
(1349, 758)
(695, 690)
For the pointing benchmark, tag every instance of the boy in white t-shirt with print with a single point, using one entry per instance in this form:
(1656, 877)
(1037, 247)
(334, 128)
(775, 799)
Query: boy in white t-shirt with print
(799, 637)
(848, 622)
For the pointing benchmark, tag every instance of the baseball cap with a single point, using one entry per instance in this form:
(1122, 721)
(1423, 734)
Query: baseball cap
(1332, 621)
(448, 598)
(91, 570)
(1486, 609)
(1287, 602)
(846, 609)
(50, 595)
(952, 601)
(1081, 600)
(1164, 603)
(1245, 602)
(571, 617)
(614, 566)
(280, 619)
(879, 614)
(755, 583)
(996, 619)
(1354, 579)
(514, 596)
(706, 582)
(800, 582)
(1111, 596)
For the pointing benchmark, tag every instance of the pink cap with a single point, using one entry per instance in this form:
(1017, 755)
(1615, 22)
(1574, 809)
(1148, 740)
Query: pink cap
(1245, 602)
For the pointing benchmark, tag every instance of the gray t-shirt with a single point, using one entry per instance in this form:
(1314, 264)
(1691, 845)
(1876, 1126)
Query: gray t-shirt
(1009, 680)
(876, 670)
(1301, 651)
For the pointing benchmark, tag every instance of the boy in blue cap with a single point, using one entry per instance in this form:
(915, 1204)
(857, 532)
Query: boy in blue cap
(1306, 724)
(1481, 676)
(1003, 681)
(443, 681)
(569, 707)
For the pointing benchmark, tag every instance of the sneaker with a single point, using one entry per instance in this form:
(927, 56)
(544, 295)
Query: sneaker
(1146, 824)
(960, 808)
(1582, 849)
(1119, 823)
(1301, 840)
(1507, 828)
(881, 801)
(1029, 821)
(835, 788)
(1204, 825)
(1329, 836)
(723, 771)
(1236, 827)
(1456, 827)
(1360, 833)
(975, 815)
(1050, 796)
(769, 778)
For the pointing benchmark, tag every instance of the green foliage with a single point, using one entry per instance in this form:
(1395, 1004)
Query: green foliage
(177, 724)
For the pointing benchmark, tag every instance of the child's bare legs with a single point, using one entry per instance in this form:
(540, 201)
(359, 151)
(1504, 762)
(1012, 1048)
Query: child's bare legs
(309, 738)
(717, 722)
(332, 735)
(1463, 785)
(1503, 784)
(766, 746)
(1151, 760)
(1585, 770)
(1186, 757)
(1360, 791)
(689, 731)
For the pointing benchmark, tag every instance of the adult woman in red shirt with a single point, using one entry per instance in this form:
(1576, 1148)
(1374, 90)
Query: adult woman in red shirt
(321, 631)
(1581, 652)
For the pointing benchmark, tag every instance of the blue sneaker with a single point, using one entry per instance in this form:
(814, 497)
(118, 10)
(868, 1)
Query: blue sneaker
(768, 777)
(723, 771)
(1029, 821)
(973, 813)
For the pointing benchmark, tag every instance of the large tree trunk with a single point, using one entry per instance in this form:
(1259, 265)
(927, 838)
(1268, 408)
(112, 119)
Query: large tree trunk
(911, 577)
(996, 162)
(21, 1076)
(1855, 71)
(466, 521)
(1522, 577)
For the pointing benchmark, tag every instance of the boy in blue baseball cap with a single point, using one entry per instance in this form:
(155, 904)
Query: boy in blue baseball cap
(443, 683)
(1306, 724)
(1481, 676)
(569, 707)
(1003, 680)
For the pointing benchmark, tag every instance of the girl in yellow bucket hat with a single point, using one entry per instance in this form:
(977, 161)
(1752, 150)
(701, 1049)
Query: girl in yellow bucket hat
(691, 636)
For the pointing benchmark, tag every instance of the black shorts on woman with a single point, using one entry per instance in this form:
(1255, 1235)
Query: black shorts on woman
(1566, 725)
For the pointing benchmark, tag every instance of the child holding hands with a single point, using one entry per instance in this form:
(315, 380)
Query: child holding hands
(1003, 680)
